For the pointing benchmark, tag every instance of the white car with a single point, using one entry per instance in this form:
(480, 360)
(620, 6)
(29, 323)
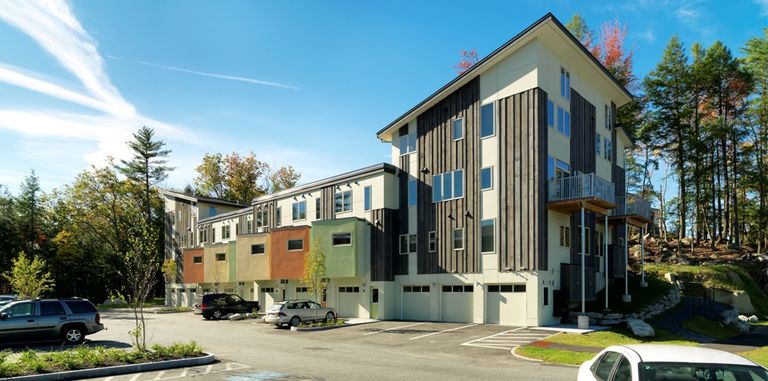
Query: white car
(651, 362)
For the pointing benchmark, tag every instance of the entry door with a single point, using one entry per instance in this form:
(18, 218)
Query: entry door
(374, 303)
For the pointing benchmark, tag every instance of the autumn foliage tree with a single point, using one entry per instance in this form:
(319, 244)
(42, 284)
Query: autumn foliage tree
(468, 59)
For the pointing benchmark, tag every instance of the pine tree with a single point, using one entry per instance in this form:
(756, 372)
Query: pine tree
(148, 163)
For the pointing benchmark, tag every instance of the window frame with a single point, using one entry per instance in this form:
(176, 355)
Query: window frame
(453, 238)
(432, 241)
(197, 259)
(448, 178)
(345, 201)
(226, 231)
(410, 142)
(598, 139)
(288, 244)
(413, 192)
(551, 122)
(278, 216)
(492, 105)
(299, 210)
(367, 198)
(493, 235)
(334, 237)
(263, 248)
(318, 208)
(488, 170)
(221, 257)
(460, 121)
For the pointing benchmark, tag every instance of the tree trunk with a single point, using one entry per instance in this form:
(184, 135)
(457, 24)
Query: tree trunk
(682, 206)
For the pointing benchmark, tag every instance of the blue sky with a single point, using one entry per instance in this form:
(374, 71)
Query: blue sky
(296, 82)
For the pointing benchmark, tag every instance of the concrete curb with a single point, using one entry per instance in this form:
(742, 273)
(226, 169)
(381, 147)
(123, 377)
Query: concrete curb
(542, 362)
(118, 370)
(310, 329)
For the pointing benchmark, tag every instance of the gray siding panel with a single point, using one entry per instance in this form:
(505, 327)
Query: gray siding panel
(386, 262)
(402, 176)
(522, 136)
(327, 203)
(583, 159)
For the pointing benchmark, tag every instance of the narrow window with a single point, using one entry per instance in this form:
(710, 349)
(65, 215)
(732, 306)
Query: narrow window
(404, 244)
(550, 113)
(597, 145)
(432, 241)
(486, 178)
(458, 129)
(295, 244)
(221, 256)
(458, 183)
(367, 198)
(412, 243)
(318, 208)
(258, 248)
(278, 217)
(249, 226)
(412, 192)
(458, 239)
(437, 188)
(213, 235)
(486, 121)
(567, 123)
(560, 120)
(341, 239)
(550, 167)
(546, 296)
(447, 186)
(487, 242)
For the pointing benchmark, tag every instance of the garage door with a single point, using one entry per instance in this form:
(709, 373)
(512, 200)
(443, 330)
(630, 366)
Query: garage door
(303, 293)
(505, 304)
(268, 297)
(348, 303)
(416, 303)
(456, 304)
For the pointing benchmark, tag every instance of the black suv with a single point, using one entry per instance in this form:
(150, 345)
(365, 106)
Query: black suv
(218, 305)
(31, 320)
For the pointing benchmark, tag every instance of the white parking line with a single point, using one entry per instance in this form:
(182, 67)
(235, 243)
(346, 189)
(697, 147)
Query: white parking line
(392, 329)
(508, 339)
(446, 330)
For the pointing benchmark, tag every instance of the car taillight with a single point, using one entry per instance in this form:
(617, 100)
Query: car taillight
(282, 314)
(98, 318)
(203, 306)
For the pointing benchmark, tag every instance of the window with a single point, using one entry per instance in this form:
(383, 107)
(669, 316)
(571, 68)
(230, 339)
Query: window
(258, 248)
(487, 242)
(20, 310)
(605, 365)
(448, 185)
(599, 244)
(221, 257)
(565, 236)
(213, 235)
(486, 121)
(299, 210)
(457, 132)
(407, 141)
(608, 149)
(301, 289)
(249, 226)
(412, 186)
(407, 243)
(225, 232)
(367, 198)
(295, 244)
(486, 178)
(546, 296)
(562, 169)
(51, 309)
(432, 241)
(197, 259)
(262, 218)
(597, 145)
(415, 288)
(278, 216)
(565, 84)
(268, 290)
(550, 113)
(341, 239)
(349, 289)
(607, 118)
(458, 288)
(458, 239)
(587, 240)
(212, 211)
(567, 124)
(343, 201)
(318, 208)
(203, 235)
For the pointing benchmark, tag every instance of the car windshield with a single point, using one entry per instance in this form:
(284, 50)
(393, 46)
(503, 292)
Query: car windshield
(651, 371)
(276, 307)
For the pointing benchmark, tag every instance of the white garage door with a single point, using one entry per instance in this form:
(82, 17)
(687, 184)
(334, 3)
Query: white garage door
(348, 302)
(505, 304)
(303, 293)
(456, 304)
(267, 298)
(416, 303)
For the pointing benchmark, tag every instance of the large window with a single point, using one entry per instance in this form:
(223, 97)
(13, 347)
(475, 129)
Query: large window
(225, 232)
(486, 178)
(407, 141)
(318, 208)
(412, 187)
(367, 198)
(432, 241)
(408, 243)
(258, 248)
(295, 244)
(488, 240)
(299, 210)
(341, 239)
(458, 239)
(447, 186)
(565, 84)
(457, 132)
(487, 127)
(343, 201)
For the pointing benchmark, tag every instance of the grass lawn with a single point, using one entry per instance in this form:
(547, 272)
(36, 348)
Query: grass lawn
(703, 326)
(616, 336)
(759, 356)
(553, 355)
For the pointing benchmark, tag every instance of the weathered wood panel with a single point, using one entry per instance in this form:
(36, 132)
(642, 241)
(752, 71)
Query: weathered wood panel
(583, 159)
(269, 207)
(522, 222)
(439, 153)
(385, 259)
(327, 203)
(402, 177)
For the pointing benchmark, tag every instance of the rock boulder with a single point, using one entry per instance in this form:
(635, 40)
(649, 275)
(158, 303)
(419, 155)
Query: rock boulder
(640, 328)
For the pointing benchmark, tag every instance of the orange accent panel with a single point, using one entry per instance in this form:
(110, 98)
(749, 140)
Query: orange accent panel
(193, 272)
(286, 264)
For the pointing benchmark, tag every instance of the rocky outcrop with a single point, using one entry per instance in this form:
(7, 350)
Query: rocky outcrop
(666, 302)
(738, 299)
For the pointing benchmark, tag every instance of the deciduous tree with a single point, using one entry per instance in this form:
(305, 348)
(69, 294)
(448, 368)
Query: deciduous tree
(28, 278)
(314, 276)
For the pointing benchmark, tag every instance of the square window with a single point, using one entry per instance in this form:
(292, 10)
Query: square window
(367, 198)
(343, 201)
(487, 127)
(488, 239)
(458, 239)
(457, 132)
(341, 239)
(486, 178)
(432, 241)
(295, 244)
(258, 248)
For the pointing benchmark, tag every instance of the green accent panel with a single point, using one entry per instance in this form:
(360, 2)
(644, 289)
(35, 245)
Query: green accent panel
(340, 261)
(232, 259)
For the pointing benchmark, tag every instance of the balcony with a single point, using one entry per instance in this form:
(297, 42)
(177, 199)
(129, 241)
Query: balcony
(632, 210)
(570, 194)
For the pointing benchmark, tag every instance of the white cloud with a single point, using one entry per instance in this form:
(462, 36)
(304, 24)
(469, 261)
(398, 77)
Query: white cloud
(206, 74)
(647, 35)
(763, 7)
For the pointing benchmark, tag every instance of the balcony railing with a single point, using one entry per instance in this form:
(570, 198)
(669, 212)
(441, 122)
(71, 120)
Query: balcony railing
(626, 206)
(580, 187)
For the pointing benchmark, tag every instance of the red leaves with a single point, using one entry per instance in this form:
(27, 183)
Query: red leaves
(468, 59)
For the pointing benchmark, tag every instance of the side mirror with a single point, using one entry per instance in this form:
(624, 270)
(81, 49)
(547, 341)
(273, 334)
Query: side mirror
(3, 316)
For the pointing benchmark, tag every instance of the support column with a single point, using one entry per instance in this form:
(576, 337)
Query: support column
(583, 319)
(605, 258)
(643, 283)
(626, 298)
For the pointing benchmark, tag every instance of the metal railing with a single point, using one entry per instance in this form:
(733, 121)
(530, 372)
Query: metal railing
(580, 186)
(632, 205)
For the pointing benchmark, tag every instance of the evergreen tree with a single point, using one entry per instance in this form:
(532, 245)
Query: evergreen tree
(29, 211)
(148, 163)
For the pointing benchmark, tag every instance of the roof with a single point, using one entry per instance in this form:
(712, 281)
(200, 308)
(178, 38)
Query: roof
(224, 216)
(196, 198)
(678, 353)
(483, 64)
(381, 167)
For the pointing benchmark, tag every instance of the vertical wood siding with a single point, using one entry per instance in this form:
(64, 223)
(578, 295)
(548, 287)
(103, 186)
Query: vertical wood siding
(439, 153)
(385, 260)
(269, 207)
(327, 203)
(619, 182)
(583, 159)
(402, 176)
(522, 135)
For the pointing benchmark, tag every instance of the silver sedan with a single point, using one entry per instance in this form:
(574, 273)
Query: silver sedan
(293, 312)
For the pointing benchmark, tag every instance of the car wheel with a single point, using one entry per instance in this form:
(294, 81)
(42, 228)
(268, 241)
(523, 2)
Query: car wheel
(217, 315)
(72, 334)
(329, 316)
(295, 321)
